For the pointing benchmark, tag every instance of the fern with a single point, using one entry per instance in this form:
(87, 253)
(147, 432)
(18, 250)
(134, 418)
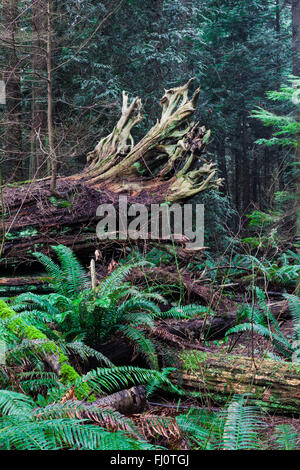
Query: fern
(74, 274)
(94, 316)
(294, 306)
(25, 426)
(70, 277)
(286, 437)
(112, 379)
(279, 341)
(111, 284)
(241, 425)
(186, 311)
(202, 429)
(264, 324)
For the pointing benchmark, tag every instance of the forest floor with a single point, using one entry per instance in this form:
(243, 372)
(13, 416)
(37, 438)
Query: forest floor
(180, 287)
(251, 345)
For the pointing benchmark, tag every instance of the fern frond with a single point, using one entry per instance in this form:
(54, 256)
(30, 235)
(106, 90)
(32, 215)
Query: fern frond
(294, 305)
(84, 352)
(23, 426)
(144, 345)
(74, 274)
(37, 380)
(54, 271)
(202, 429)
(138, 304)
(286, 437)
(185, 311)
(279, 341)
(241, 425)
(113, 379)
(13, 403)
(114, 280)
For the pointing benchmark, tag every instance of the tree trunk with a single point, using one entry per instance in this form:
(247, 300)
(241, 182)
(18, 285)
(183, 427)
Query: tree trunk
(236, 179)
(222, 165)
(218, 377)
(52, 153)
(12, 167)
(246, 167)
(38, 163)
(296, 36)
(132, 400)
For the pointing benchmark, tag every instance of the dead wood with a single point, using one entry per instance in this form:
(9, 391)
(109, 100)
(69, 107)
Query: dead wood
(129, 401)
(275, 385)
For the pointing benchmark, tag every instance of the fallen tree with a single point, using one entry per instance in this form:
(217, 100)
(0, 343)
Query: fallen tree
(165, 165)
(184, 334)
(275, 385)
(128, 401)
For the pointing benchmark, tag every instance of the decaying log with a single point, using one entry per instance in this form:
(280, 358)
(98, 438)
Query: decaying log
(275, 385)
(170, 146)
(280, 309)
(184, 334)
(18, 284)
(165, 165)
(130, 401)
(209, 327)
(199, 329)
(214, 327)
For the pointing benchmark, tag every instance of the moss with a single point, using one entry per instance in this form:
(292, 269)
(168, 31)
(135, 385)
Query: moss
(222, 372)
(18, 183)
(192, 359)
(62, 358)
(67, 373)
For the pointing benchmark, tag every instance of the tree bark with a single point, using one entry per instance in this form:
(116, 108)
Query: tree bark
(52, 153)
(296, 36)
(12, 168)
(129, 401)
(246, 167)
(38, 163)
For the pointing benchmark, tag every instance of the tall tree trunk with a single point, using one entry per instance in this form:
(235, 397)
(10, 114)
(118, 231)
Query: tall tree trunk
(255, 160)
(296, 36)
(13, 136)
(246, 169)
(221, 152)
(52, 153)
(277, 29)
(267, 177)
(236, 179)
(38, 164)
